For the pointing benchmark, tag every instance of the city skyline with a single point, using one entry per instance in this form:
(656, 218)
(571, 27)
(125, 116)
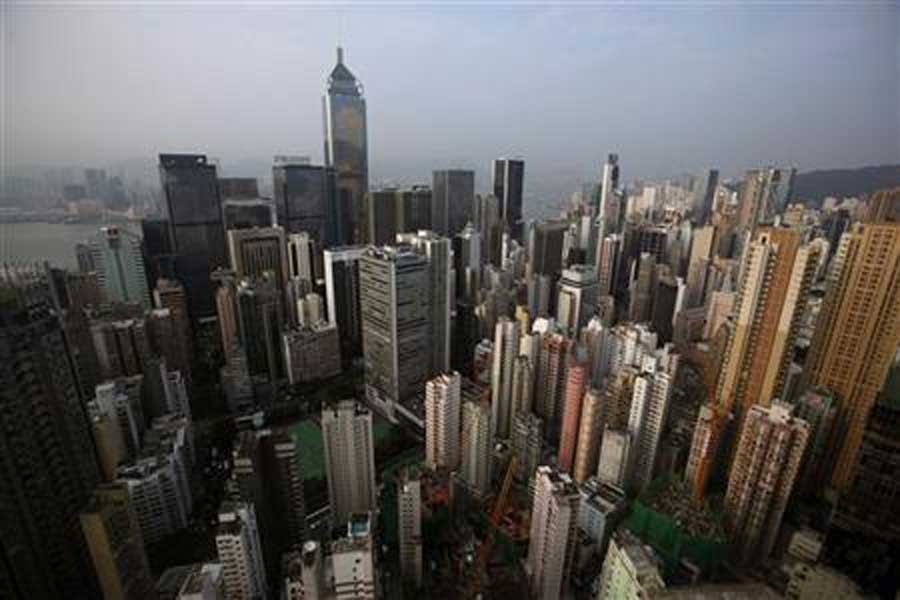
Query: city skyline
(751, 87)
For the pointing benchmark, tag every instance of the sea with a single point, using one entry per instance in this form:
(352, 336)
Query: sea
(52, 242)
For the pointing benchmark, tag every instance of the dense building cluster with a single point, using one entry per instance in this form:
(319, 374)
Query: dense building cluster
(687, 388)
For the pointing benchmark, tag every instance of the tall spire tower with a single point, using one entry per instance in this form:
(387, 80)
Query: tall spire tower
(346, 147)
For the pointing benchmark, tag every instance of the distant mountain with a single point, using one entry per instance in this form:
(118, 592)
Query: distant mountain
(813, 187)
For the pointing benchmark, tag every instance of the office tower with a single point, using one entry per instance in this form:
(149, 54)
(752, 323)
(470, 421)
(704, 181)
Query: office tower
(475, 439)
(522, 385)
(590, 434)
(196, 230)
(120, 399)
(545, 248)
(238, 188)
(437, 252)
(247, 214)
(615, 456)
(239, 551)
(765, 467)
(255, 473)
(873, 493)
(631, 569)
(467, 262)
(508, 185)
(49, 464)
(451, 205)
(312, 353)
(392, 211)
(306, 199)
(170, 326)
(764, 194)
(506, 349)
(641, 290)
(442, 419)
(395, 311)
(704, 194)
(342, 295)
(122, 347)
(118, 260)
(609, 251)
(488, 221)
(818, 408)
(577, 298)
(353, 561)
(549, 381)
(527, 440)
(858, 328)
(303, 572)
(698, 264)
(226, 310)
(606, 212)
(284, 481)
(551, 546)
(260, 319)
(649, 408)
(159, 253)
(409, 526)
(668, 297)
(346, 148)
(571, 421)
(776, 277)
(254, 252)
(116, 546)
(303, 260)
(349, 459)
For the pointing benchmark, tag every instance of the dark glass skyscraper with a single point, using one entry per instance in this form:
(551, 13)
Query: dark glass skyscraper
(508, 179)
(346, 148)
(306, 200)
(453, 192)
(194, 209)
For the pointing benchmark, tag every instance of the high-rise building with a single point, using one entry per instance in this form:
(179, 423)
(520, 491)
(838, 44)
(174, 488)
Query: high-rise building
(858, 329)
(764, 193)
(607, 212)
(312, 353)
(246, 214)
(118, 259)
(303, 261)
(197, 232)
(551, 546)
(353, 561)
(550, 381)
(649, 410)
(818, 408)
(545, 248)
(451, 205)
(117, 548)
(261, 317)
(254, 252)
(631, 570)
(438, 253)
(609, 253)
(488, 221)
(590, 435)
(306, 199)
(467, 262)
(346, 148)
(765, 467)
(704, 194)
(475, 463)
(776, 277)
(409, 526)
(506, 349)
(240, 552)
(614, 457)
(527, 441)
(120, 399)
(575, 381)
(395, 313)
(641, 289)
(602, 505)
(509, 177)
(392, 211)
(169, 294)
(442, 421)
(49, 466)
(349, 459)
(577, 300)
(342, 295)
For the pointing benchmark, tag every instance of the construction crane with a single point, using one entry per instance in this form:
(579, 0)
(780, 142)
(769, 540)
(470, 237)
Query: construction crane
(487, 546)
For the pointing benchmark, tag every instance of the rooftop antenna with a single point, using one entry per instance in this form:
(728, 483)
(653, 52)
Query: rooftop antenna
(340, 55)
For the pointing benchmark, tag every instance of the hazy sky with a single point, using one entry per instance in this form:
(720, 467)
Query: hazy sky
(670, 87)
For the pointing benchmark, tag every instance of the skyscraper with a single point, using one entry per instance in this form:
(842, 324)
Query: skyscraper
(551, 546)
(704, 194)
(649, 409)
(858, 329)
(549, 382)
(764, 193)
(395, 312)
(342, 294)
(261, 318)
(527, 441)
(545, 248)
(571, 420)
(606, 211)
(170, 295)
(631, 570)
(442, 421)
(197, 231)
(253, 252)
(239, 551)
(453, 192)
(346, 148)
(508, 186)
(577, 300)
(49, 469)
(349, 459)
(117, 548)
(762, 476)
(306, 199)
(590, 434)
(506, 349)
(475, 464)
(409, 525)
(488, 221)
(467, 261)
(119, 261)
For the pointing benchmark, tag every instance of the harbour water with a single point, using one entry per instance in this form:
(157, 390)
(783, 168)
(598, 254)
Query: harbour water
(53, 242)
